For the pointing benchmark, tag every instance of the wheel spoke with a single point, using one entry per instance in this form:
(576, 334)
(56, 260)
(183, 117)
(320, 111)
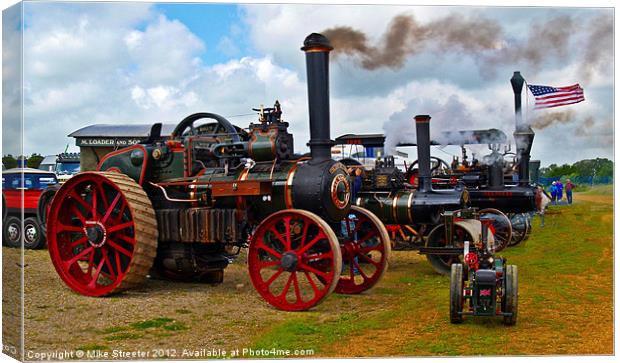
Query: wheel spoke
(120, 227)
(108, 263)
(93, 282)
(119, 248)
(287, 228)
(269, 250)
(111, 208)
(312, 283)
(79, 199)
(128, 239)
(274, 277)
(78, 242)
(65, 228)
(320, 236)
(91, 261)
(78, 214)
(367, 236)
(359, 269)
(309, 268)
(304, 234)
(75, 258)
(117, 258)
(94, 201)
(370, 260)
(278, 236)
(286, 286)
(296, 286)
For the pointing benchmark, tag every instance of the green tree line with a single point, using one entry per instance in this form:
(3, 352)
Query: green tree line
(599, 167)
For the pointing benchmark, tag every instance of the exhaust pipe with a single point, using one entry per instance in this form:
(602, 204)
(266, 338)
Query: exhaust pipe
(524, 135)
(422, 123)
(317, 48)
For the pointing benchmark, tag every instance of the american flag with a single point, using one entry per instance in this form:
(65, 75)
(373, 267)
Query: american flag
(547, 96)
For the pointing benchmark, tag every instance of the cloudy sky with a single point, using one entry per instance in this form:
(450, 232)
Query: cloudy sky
(123, 63)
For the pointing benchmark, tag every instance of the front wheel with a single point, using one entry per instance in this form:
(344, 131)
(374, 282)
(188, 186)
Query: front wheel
(365, 247)
(33, 234)
(456, 293)
(294, 260)
(511, 292)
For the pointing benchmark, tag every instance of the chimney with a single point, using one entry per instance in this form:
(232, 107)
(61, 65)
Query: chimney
(422, 123)
(524, 135)
(317, 48)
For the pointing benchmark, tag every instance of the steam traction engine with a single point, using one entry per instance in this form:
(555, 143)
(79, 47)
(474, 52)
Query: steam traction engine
(180, 204)
(490, 183)
(385, 192)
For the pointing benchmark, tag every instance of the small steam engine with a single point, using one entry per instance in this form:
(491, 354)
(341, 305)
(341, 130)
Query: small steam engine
(485, 285)
(178, 205)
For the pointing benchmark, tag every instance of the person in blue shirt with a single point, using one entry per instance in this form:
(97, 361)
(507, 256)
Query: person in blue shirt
(559, 186)
(554, 192)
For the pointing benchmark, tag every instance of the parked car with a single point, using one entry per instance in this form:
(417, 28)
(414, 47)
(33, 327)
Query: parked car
(22, 188)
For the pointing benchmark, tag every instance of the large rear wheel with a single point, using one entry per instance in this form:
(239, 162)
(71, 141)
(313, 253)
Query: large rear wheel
(294, 260)
(365, 251)
(102, 233)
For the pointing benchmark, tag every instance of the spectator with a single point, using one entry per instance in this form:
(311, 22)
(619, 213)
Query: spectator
(554, 192)
(559, 186)
(569, 191)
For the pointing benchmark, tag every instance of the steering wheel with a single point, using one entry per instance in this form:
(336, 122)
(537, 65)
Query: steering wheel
(437, 164)
(188, 122)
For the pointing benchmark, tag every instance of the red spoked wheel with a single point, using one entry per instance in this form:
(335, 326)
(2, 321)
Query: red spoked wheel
(365, 246)
(294, 259)
(500, 227)
(102, 233)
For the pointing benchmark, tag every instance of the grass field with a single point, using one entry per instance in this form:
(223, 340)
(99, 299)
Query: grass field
(565, 305)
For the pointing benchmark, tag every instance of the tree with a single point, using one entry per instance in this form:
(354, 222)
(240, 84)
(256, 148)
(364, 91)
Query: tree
(9, 161)
(34, 161)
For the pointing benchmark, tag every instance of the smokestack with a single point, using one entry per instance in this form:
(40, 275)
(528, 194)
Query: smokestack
(317, 48)
(524, 135)
(422, 123)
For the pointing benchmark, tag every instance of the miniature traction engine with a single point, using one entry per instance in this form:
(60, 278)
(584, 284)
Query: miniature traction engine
(178, 206)
(484, 285)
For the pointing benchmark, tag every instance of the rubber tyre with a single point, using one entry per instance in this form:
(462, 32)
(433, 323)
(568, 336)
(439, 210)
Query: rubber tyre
(34, 237)
(511, 295)
(456, 293)
(45, 200)
(12, 232)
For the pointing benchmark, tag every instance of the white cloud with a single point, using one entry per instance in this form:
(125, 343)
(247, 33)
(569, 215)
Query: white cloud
(126, 63)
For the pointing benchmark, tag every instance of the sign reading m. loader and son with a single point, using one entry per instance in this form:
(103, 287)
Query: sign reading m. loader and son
(96, 141)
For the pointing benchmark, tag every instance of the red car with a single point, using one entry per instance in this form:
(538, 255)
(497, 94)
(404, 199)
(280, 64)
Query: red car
(28, 183)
